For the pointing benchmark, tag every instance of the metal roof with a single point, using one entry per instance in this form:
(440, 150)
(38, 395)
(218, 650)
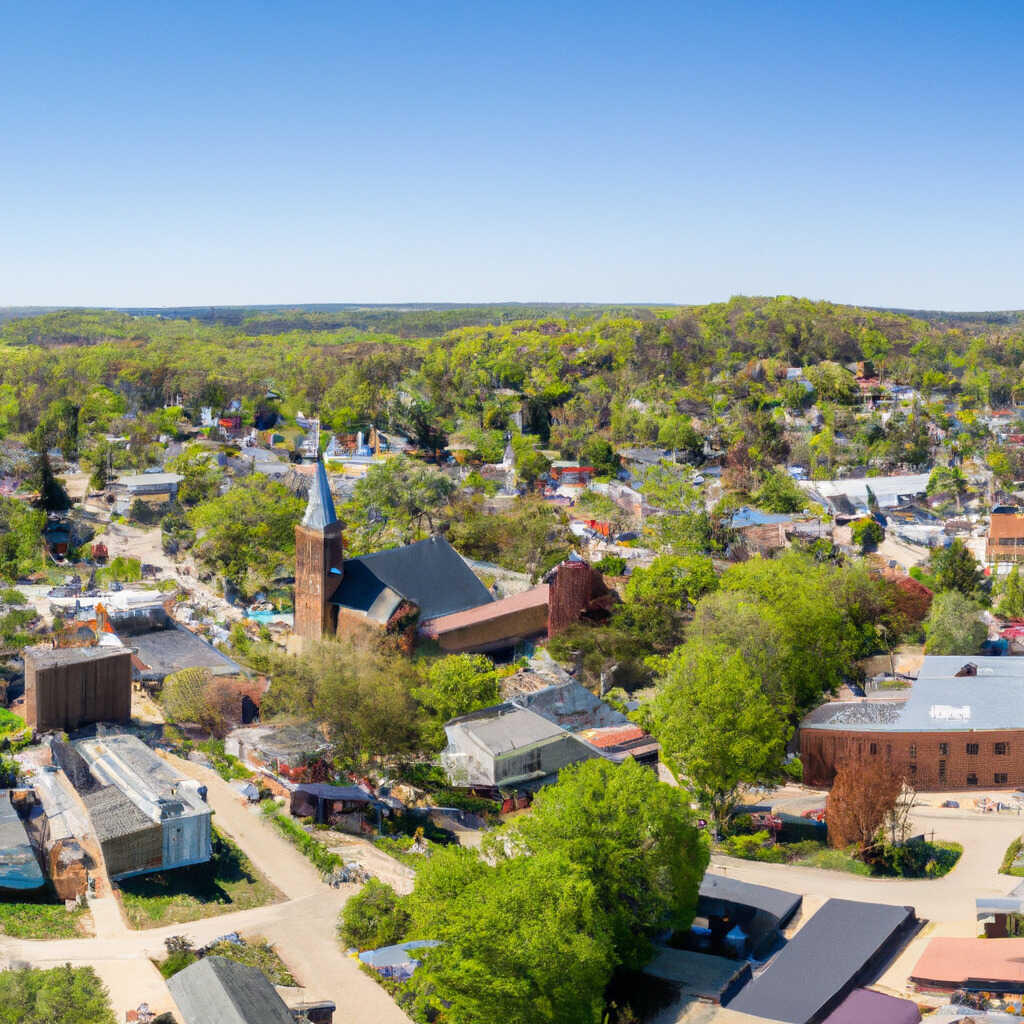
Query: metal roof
(817, 967)
(886, 489)
(19, 868)
(320, 507)
(511, 730)
(395, 956)
(216, 990)
(47, 657)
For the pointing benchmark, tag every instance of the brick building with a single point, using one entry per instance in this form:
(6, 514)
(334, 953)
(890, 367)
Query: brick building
(962, 726)
(427, 586)
(1005, 541)
(66, 688)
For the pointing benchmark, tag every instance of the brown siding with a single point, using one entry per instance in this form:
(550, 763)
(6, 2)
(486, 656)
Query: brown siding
(501, 631)
(1005, 538)
(823, 750)
(316, 553)
(66, 696)
(568, 596)
(137, 851)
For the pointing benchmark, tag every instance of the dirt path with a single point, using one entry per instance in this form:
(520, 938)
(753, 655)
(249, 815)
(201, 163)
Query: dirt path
(303, 928)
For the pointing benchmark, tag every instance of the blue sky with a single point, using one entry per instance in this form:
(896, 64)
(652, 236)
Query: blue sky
(212, 153)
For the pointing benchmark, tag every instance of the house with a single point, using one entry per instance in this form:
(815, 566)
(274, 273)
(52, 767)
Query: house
(571, 474)
(759, 911)
(988, 965)
(961, 726)
(522, 743)
(19, 866)
(66, 688)
(216, 990)
(864, 1004)
(843, 946)
(153, 489)
(285, 750)
(332, 805)
(1005, 541)
(145, 815)
(851, 498)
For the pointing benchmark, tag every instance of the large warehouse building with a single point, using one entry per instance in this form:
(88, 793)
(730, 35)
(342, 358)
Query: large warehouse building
(66, 688)
(962, 725)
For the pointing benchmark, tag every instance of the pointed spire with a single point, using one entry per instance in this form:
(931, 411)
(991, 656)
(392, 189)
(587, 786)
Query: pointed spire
(320, 510)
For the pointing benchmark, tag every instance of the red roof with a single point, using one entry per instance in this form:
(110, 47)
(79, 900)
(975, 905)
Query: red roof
(613, 736)
(951, 963)
(536, 597)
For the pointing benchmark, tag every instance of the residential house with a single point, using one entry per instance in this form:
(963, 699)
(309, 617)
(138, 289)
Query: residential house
(1005, 541)
(153, 489)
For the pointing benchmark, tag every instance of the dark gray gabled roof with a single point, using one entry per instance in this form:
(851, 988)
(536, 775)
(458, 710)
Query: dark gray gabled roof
(430, 573)
(114, 815)
(781, 905)
(216, 990)
(320, 507)
(844, 942)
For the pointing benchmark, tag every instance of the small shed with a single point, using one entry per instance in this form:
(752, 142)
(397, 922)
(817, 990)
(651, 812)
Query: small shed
(396, 961)
(326, 805)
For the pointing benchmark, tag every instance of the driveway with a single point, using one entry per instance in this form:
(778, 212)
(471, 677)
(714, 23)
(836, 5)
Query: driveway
(303, 928)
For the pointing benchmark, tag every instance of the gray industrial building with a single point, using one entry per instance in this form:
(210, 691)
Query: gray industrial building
(146, 816)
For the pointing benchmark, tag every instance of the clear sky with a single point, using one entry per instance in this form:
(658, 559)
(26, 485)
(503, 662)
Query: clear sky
(174, 152)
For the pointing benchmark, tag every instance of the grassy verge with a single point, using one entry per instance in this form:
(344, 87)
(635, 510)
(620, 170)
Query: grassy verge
(323, 859)
(226, 883)
(258, 953)
(44, 921)
(1013, 851)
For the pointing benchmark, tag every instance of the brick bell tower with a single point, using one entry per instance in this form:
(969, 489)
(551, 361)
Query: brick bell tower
(319, 549)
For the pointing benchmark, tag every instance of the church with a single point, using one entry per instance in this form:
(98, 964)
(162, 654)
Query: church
(424, 588)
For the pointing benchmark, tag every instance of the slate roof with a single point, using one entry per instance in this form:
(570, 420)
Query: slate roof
(820, 964)
(430, 573)
(781, 905)
(164, 651)
(320, 507)
(216, 990)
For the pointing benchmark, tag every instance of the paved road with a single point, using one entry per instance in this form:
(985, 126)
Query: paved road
(950, 899)
(302, 927)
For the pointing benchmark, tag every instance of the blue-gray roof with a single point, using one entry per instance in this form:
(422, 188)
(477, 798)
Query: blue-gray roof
(19, 868)
(320, 507)
(781, 905)
(216, 990)
(940, 700)
(748, 516)
(395, 956)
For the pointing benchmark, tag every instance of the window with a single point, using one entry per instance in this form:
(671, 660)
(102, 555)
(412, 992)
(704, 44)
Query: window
(1000, 778)
(943, 749)
(873, 748)
(942, 771)
(913, 770)
(972, 748)
(972, 779)
(532, 763)
(913, 751)
(1002, 748)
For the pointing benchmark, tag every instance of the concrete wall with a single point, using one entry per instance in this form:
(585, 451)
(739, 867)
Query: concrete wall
(316, 553)
(823, 750)
(65, 696)
(549, 758)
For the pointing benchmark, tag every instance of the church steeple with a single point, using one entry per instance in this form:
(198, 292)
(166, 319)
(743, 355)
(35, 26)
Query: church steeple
(319, 560)
(320, 507)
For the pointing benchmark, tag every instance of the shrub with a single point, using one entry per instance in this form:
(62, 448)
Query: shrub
(374, 917)
(611, 565)
(313, 849)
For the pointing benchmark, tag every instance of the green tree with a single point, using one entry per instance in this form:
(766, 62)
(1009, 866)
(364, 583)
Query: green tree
(659, 598)
(248, 534)
(525, 941)
(187, 699)
(21, 538)
(718, 730)
(457, 685)
(201, 476)
(779, 492)
(373, 917)
(632, 835)
(867, 534)
(530, 463)
(599, 453)
(947, 480)
(61, 995)
(1011, 603)
(52, 496)
(954, 625)
(955, 568)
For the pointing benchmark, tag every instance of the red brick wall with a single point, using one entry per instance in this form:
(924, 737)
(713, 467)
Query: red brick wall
(568, 596)
(316, 553)
(822, 750)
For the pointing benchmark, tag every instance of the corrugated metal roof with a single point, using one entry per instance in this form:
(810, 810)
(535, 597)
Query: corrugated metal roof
(19, 868)
(512, 730)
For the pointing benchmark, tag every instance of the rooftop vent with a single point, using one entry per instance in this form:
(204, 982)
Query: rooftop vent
(950, 712)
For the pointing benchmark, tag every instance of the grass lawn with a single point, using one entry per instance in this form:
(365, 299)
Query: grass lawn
(10, 722)
(44, 921)
(226, 883)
